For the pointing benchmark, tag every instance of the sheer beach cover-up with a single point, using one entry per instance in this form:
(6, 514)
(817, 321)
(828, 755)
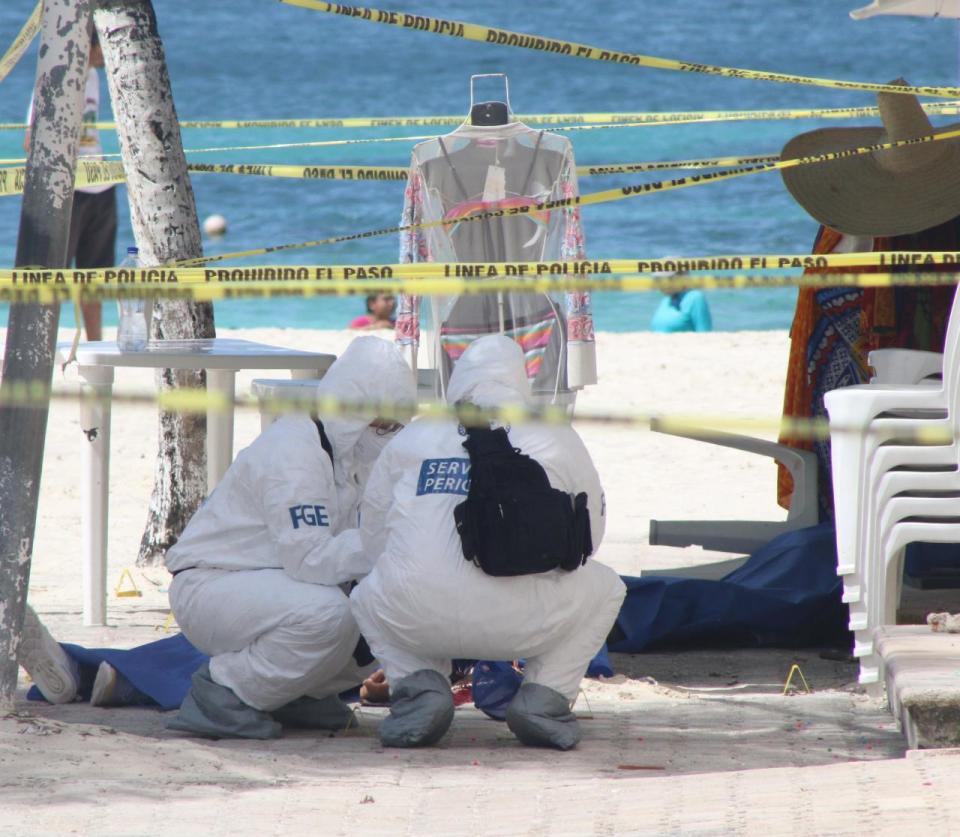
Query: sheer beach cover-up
(486, 168)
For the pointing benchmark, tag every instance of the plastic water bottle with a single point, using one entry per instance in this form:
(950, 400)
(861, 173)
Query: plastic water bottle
(134, 331)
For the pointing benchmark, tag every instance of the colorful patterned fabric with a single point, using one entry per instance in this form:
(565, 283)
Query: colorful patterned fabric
(835, 329)
(827, 350)
(533, 339)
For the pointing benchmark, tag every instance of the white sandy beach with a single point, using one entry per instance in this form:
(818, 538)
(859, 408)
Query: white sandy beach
(677, 743)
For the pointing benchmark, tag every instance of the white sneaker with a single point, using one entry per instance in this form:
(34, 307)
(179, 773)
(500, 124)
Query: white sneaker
(54, 673)
(110, 688)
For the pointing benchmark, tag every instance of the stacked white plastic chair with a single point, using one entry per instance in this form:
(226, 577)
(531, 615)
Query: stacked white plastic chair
(904, 366)
(891, 445)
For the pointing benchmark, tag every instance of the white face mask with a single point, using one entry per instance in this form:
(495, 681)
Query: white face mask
(370, 445)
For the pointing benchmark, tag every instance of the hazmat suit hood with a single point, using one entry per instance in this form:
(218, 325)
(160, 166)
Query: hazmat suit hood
(370, 370)
(491, 371)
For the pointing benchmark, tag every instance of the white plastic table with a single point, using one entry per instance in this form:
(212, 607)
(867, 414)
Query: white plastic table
(96, 361)
(268, 390)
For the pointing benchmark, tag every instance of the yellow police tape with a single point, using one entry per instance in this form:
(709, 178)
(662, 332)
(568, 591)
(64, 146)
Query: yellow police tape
(663, 165)
(21, 42)
(590, 198)
(91, 172)
(368, 140)
(315, 144)
(652, 119)
(623, 120)
(587, 199)
(269, 146)
(88, 173)
(102, 172)
(47, 286)
(367, 173)
(636, 118)
(504, 37)
(26, 394)
(516, 272)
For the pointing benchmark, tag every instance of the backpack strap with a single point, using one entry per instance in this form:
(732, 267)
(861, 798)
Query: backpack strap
(324, 441)
(487, 441)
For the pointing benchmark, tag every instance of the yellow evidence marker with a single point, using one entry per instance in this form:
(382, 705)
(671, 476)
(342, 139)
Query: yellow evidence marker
(167, 625)
(128, 575)
(795, 669)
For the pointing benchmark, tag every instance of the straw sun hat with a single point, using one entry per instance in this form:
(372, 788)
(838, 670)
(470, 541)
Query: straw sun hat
(893, 192)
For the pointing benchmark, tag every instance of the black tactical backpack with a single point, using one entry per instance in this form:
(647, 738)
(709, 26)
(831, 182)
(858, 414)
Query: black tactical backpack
(513, 522)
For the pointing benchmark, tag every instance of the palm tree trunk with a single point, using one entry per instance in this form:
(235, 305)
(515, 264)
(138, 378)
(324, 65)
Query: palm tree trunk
(164, 218)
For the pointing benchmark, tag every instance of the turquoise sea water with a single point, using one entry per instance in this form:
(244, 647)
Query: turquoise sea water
(251, 59)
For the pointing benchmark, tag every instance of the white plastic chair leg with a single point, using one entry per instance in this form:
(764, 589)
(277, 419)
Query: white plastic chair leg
(744, 536)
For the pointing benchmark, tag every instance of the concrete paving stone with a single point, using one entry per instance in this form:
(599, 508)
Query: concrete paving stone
(922, 672)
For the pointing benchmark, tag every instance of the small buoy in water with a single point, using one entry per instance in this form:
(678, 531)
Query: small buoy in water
(215, 225)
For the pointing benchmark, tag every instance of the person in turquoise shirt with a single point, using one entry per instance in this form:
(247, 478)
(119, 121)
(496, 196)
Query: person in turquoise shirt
(684, 310)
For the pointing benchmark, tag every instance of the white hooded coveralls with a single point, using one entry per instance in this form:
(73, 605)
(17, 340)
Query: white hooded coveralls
(424, 604)
(263, 555)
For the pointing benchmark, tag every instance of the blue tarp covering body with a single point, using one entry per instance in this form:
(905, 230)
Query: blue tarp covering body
(161, 670)
(787, 594)
(926, 560)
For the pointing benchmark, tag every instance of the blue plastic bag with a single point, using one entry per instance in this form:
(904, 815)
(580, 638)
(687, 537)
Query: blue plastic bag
(495, 684)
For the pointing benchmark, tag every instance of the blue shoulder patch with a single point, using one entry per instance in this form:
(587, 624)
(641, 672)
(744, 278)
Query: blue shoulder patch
(444, 476)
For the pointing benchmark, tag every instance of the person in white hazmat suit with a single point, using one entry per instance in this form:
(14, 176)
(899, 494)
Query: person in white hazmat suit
(257, 569)
(424, 604)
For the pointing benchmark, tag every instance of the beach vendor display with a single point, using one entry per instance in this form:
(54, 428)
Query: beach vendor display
(905, 198)
(424, 604)
(495, 163)
(257, 569)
